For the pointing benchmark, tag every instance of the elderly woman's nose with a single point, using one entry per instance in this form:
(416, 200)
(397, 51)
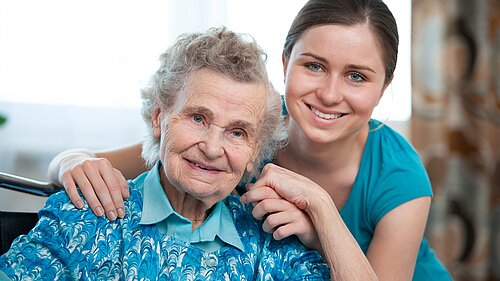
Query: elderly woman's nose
(212, 144)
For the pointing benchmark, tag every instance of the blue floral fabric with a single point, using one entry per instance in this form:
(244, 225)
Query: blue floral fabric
(72, 244)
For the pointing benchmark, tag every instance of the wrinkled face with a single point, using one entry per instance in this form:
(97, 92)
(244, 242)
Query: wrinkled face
(211, 138)
(334, 78)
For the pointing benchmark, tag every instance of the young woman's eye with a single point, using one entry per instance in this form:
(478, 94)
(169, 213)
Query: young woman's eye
(356, 77)
(315, 67)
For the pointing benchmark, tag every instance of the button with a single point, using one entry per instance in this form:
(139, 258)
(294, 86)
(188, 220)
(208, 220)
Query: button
(211, 260)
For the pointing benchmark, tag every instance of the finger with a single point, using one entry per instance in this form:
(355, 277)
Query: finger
(88, 192)
(123, 184)
(249, 186)
(101, 190)
(70, 186)
(269, 206)
(259, 194)
(277, 219)
(111, 186)
(284, 231)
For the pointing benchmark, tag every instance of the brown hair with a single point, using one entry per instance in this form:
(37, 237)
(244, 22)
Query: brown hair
(349, 12)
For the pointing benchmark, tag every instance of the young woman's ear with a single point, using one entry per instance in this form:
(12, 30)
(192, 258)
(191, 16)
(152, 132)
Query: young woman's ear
(285, 65)
(384, 88)
(156, 123)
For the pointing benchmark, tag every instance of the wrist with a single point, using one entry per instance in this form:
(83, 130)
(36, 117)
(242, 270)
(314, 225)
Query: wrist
(64, 159)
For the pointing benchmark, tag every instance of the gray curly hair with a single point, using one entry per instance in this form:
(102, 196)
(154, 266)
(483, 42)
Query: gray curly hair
(233, 55)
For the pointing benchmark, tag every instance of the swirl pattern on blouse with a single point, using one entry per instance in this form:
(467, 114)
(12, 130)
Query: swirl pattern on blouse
(69, 243)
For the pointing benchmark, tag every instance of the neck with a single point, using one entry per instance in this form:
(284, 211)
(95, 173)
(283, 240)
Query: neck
(337, 161)
(184, 204)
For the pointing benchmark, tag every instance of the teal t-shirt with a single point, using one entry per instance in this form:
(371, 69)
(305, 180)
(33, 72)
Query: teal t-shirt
(390, 174)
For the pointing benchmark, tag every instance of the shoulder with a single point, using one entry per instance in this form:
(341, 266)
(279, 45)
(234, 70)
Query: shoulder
(397, 174)
(59, 206)
(382, 134)
(289, 259)
(389, 154)
(134, 204)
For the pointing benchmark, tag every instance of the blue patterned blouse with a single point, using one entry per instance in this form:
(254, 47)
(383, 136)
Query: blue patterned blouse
(72, 244)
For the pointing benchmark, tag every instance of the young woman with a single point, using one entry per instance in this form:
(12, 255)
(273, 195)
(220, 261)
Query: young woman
(344, 184)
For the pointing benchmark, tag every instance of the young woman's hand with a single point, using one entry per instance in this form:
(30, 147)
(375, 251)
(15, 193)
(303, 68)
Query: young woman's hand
(281, 199)
(103, 186)
(281, 217)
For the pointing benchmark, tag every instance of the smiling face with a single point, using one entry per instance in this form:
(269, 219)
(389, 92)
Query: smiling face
(210, 140)
(334, 78)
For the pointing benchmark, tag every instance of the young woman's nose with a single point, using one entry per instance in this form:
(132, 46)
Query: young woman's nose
(213, 143)
(330, 92)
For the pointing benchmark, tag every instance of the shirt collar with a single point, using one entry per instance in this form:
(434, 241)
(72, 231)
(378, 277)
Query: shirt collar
(157, 208)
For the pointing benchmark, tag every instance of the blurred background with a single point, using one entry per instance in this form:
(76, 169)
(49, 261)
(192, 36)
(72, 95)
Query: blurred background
(70, 74)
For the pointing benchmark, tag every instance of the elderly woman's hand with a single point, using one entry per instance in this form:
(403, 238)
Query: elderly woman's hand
(103, 186)
(282, 208)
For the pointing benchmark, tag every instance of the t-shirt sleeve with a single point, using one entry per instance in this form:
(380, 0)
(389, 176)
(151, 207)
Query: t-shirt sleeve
(45, 250)
(403, 178)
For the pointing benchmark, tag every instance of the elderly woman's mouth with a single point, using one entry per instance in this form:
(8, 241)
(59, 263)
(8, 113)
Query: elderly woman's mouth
(203, 166)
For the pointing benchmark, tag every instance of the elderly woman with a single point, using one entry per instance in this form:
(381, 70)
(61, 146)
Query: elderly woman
(213, 117)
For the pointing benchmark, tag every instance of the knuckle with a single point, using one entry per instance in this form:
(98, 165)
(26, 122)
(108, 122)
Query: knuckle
(265, 205)
(113, 188)
(108, 206)
(103, 162)
(87, 164)
(272, 220)
(65, 177)
(267, 228)
(279, 233)
(94, 204)
(256, 213)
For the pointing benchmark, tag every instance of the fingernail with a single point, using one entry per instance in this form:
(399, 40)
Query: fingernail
(243, 199)
(99, 211)
(121, 213)
(79, 204)
(111, 215)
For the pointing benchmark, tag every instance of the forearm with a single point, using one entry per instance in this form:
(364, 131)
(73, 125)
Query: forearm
(341, 251)
(73, 155)
(126, 159)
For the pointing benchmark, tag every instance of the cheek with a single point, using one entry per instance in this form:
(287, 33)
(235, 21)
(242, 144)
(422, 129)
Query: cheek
(174, 141)
(239, 159)
(364, 101)
(291, 83)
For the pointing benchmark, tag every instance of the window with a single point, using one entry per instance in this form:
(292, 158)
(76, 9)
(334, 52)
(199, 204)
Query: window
(99, 53)
(71, 70)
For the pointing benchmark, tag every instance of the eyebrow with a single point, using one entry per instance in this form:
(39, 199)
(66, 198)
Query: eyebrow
(247, 126)
(307, 54)
(199, 110)
(351, 66)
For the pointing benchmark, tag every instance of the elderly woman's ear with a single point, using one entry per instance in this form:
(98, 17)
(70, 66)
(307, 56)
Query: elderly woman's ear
(156, 123)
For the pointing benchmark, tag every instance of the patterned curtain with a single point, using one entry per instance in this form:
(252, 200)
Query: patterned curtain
(455, 127)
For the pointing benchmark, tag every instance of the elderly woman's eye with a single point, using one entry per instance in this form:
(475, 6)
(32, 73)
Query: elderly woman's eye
(197, 118)
(238, 133)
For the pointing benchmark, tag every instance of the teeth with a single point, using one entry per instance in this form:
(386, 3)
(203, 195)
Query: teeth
(325, 115)
(197, 165)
